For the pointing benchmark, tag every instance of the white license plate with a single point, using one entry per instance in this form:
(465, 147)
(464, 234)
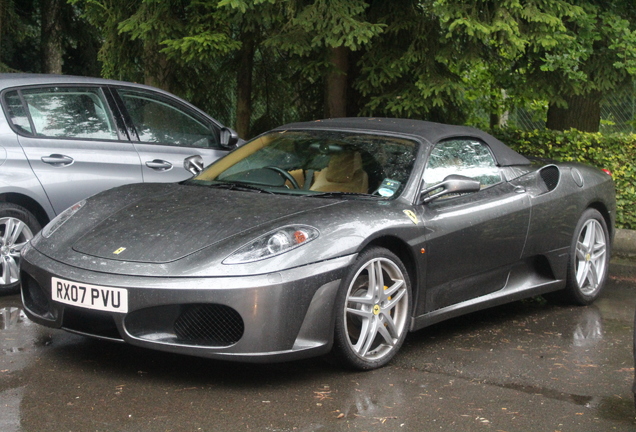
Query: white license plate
(89, 296)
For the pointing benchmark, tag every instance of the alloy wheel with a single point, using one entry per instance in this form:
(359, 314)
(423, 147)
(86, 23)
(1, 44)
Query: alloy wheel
(591, 257)
(376, 309)
(14, 235)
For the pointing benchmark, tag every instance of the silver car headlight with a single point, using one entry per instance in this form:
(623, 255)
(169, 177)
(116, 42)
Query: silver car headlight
(59, 220)
(273, 243)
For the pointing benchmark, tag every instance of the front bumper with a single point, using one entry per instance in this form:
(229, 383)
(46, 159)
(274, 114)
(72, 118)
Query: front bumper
(272, 317)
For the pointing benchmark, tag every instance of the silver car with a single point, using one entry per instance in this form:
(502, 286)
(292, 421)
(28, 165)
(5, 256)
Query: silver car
(64, 138)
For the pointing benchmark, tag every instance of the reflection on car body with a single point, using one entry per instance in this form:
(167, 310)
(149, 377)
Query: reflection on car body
(328, 237)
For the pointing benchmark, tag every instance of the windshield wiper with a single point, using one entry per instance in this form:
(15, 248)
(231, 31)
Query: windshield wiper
(239, 187)
(343, 195)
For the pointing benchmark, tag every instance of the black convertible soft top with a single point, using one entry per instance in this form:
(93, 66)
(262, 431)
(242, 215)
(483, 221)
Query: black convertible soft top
(429, 131)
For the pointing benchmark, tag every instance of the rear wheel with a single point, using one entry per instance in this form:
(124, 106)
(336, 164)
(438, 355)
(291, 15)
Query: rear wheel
(17, 227)
(589, 259)
(373, 311)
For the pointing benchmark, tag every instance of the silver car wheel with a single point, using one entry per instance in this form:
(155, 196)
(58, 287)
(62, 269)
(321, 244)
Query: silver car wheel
(376, 309)
(14, 235)
(591, 257)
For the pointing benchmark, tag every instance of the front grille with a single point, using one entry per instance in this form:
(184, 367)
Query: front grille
(550, 176)
(210, 324)
(35, 299)
(93, 323)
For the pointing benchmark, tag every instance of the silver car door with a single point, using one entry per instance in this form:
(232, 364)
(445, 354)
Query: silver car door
(72, 143)
(168, 133)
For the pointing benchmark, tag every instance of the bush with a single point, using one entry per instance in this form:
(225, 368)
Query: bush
(615, 152)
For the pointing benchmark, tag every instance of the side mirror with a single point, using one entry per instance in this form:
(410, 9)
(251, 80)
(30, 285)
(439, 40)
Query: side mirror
(228, 138)
(452, 184)
(194, 164)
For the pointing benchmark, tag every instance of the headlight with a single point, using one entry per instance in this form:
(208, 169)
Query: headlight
(59, 220)
(273, 243)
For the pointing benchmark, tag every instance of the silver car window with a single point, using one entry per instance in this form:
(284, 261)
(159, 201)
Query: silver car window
(69, 112)
(16, 111)
(157, 120)
(467, 157)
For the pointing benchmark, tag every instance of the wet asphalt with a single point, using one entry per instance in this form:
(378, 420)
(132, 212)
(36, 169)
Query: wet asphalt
(526, 366)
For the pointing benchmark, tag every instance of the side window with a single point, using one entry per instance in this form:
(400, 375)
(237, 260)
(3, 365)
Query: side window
(16, 111)
(158, 120)
(467, 157)
(68, 112)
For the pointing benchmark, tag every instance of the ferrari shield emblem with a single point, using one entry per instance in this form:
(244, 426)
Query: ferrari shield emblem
(120, 250)
(411, 216)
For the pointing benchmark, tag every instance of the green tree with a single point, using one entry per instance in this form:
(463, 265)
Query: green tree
(600, 60)
(51, 14)
(408, 70)
(203, 50)
(265, 62)
(18, 35)
(569, 53)
(325, 34)
(46, 36)
(118, 53)
(217, 31)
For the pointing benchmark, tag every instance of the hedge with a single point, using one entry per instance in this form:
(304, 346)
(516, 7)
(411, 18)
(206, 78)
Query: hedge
(615, 152)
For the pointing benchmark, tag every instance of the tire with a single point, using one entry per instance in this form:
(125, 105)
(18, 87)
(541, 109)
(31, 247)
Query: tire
(17, 227)
(589, 259)
(373, 309)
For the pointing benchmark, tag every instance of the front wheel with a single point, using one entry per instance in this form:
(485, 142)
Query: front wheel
(589, 259)
(17, 227)
(373, 310)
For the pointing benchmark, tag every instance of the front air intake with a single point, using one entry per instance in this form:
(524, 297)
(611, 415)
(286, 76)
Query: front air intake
(91, 323)
(35, 299)
(209, 324)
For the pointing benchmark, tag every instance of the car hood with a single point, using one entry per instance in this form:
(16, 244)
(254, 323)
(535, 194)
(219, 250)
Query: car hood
(169, 226)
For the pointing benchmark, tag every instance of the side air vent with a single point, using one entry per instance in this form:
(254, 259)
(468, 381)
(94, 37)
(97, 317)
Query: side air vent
(550, 176)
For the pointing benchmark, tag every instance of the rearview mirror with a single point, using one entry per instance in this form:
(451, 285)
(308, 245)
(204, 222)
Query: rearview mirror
(228, 138)
(452, 184)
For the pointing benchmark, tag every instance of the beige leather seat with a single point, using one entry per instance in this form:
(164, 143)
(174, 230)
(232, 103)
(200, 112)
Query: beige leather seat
(343, 174)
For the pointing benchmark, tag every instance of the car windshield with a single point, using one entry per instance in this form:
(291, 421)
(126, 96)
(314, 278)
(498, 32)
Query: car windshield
(317, 163)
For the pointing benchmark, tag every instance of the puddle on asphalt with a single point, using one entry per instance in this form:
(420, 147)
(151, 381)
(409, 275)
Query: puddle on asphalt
(576, 399)
(589, 328)
(616, 408)
(10, 401)
(15, 330)
(11, 317)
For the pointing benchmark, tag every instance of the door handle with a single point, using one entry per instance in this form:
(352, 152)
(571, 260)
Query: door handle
(57, 160)
(159, 165)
